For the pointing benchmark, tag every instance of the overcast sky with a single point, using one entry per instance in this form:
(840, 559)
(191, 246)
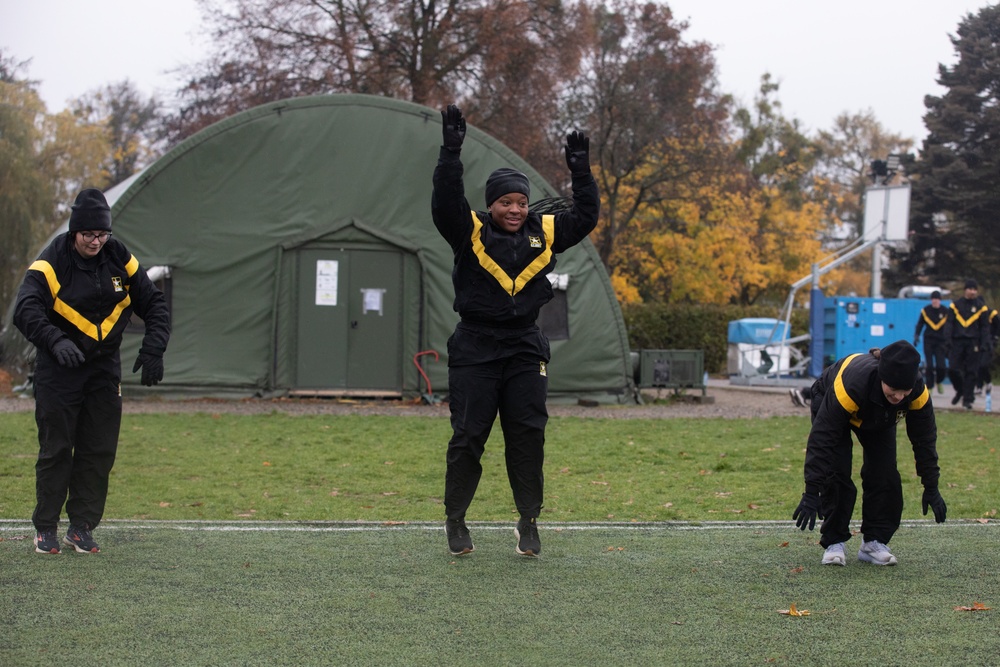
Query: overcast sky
(828, 57)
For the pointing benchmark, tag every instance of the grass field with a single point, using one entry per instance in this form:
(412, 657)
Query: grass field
(274, 540)
(363, 594)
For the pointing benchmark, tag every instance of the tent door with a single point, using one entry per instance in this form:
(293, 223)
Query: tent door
(349, 322)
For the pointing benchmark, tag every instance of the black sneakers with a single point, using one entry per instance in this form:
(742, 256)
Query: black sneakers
(46, 541)
(526, 533)
(459, 540)
(79, 538)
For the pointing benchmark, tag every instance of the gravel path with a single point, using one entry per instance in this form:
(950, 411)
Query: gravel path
(721, 401)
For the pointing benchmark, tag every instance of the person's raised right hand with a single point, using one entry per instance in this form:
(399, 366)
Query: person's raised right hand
(453, 128)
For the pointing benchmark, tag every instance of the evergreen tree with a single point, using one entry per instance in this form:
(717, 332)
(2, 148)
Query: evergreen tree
(955, 206)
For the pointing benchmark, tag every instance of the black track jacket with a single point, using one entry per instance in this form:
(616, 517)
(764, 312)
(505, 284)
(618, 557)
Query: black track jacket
(936, 322)
(849, 396)
(969, 321)
(89, 302)
(499, 277)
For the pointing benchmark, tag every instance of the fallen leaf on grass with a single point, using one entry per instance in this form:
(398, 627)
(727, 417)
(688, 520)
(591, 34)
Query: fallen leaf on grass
(792, 611)
(783, 544)
(753, 507)
(976, 606)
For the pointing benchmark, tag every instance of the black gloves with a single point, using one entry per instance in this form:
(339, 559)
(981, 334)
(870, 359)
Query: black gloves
(152, 367)
(932, 498)
(67, 353)
(578, 153)
(453, 128)
(808, 510)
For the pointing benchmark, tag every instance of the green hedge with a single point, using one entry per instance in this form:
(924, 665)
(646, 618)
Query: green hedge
(695, 327)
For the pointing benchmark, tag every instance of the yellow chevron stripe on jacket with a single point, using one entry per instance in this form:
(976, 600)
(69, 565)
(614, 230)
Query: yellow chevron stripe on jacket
(843, 397)
(966, 323)
(932, 325)
(73, 316)
(515, 284)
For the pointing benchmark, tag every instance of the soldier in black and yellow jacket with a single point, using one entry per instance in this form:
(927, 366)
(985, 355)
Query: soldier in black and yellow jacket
(970, 337)
(933, 322)
(497, 356)
(867, 395)
(73, 305)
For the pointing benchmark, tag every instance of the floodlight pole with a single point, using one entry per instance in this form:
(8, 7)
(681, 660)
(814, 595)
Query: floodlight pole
(882, 173)
(876, 289)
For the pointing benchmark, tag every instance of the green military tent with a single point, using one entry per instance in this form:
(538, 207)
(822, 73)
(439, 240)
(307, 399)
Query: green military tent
(295, 244)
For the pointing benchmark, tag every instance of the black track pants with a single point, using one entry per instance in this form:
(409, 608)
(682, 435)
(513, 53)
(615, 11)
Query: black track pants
(78, 412)
(881, 495)
(964, 370)
(516, 388)
(935, 361)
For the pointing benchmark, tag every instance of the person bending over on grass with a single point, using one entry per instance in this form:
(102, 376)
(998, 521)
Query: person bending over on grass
(497, 355)
(867, 394)
(73, 305)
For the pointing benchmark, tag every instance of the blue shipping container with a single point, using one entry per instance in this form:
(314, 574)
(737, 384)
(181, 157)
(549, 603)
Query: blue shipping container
(857, 324)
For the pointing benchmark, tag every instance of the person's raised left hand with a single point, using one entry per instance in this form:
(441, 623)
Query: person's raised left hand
(578, 152)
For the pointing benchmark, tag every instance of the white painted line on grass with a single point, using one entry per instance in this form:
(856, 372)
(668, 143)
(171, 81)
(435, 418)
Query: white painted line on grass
(18, 525)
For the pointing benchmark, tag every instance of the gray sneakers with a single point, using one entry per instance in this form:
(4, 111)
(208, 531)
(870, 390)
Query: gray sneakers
(834, 555)
(876, 553)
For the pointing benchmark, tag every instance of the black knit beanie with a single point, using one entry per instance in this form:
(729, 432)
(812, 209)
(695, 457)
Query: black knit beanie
(899, 365)
(504, 181)
(90, 211)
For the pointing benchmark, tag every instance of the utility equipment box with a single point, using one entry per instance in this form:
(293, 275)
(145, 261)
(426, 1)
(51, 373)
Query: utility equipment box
(755, 346)
(672, 369)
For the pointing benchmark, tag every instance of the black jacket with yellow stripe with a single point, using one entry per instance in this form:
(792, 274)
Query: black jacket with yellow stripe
(849, 397)
(500, 277)
(934, 323)
(89, 301)
(969, 320)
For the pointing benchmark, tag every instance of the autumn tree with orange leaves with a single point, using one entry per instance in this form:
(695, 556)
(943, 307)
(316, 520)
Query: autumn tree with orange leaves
(690, 214)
